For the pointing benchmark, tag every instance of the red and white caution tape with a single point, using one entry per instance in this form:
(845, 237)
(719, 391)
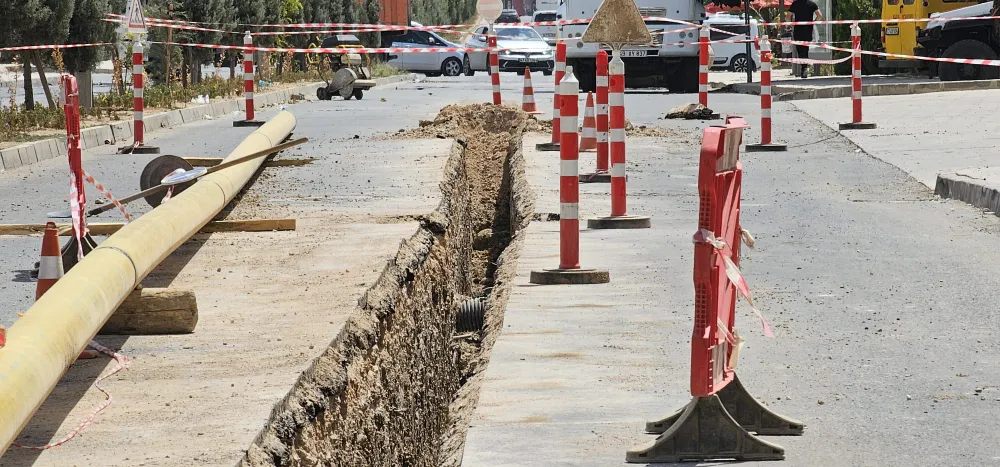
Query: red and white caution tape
(813, 61)
(338, 50)
(121, 363)
(107, 194)
(52, 46)
(875, 21)
(966, 61)
(159, 24)
(733, 271)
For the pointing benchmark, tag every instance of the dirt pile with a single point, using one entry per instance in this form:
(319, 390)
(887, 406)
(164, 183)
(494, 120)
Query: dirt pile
(392, 388)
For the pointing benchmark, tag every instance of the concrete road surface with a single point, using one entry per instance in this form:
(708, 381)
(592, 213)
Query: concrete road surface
(880, 296)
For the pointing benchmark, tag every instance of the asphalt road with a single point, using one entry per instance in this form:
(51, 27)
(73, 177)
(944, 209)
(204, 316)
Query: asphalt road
(874, 287)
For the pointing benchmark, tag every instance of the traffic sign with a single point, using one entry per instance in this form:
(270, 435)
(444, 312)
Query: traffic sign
(617, 23)
(489, 9)
(135, 21)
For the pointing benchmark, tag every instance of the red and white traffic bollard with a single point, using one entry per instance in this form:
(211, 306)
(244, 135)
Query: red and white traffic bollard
(494, 65)
(569, 271)
(560, 67)
(703, 66)
(138, 129)
(616, 95)
(856, 122)
(601, 174)
(248, 82)
(765, 102)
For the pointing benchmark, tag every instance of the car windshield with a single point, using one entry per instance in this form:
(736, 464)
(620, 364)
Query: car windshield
(518, 34)
(545, 17)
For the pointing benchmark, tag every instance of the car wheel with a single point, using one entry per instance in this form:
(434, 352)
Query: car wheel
(739, 64)
(321, 93)
(359, 93)
(969, 48)
(468, 67)
(451, 67)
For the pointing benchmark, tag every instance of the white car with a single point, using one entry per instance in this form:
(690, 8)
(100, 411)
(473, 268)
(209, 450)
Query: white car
(524, 49)
(733, 56)
(428, 63)
(547, 32)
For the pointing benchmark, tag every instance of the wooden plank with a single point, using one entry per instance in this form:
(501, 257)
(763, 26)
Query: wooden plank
(109, 228)
(213, 161)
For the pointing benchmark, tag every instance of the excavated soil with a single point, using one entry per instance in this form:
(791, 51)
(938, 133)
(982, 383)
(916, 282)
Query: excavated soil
(545, 126)
(398, 385)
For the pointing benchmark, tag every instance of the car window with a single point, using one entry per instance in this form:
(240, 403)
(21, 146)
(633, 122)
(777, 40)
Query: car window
(736, 31)
(481, 30)
(545, 17)
(420, 37)
(518, 34)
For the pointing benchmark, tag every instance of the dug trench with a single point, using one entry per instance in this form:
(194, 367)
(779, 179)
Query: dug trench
(399, 384)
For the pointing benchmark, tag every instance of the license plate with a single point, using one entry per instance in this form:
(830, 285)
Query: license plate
(526, 59)
(633, 53)
(892, 31)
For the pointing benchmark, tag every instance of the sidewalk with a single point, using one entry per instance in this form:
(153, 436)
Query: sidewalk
(785, 87)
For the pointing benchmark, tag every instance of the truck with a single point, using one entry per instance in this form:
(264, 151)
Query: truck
(976, 39)
(651, 65)
(900, 37)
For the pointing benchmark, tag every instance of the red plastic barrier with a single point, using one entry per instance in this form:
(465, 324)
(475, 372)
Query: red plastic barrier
(719, 181)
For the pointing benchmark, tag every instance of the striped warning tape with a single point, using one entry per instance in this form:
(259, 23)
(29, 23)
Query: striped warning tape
(52, 46)
(337, 50)
(122, 363)
(107, 194)
(733, 271)
(966, 61)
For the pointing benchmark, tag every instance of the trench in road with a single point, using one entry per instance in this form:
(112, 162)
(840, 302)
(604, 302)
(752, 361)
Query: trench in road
(398, 385)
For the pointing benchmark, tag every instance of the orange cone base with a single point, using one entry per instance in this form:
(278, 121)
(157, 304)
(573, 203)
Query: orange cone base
(620, 222)
(569, 277)
(770, 147)
(596, 177)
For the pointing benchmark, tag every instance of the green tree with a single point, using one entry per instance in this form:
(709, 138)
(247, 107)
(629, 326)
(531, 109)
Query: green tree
(88, 26)
(871, 34)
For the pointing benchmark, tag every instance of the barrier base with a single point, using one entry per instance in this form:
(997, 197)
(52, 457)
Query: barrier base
(569, 276)
(858, 126)
(770, 147)
(619, 222)
(547, 146)
(596, 177)
(746, 410)
(141, 149)
(245, 123)
(702, 431)
(71, 254)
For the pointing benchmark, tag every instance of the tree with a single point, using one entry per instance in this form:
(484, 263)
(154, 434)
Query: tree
(213, 12)
(88, 26)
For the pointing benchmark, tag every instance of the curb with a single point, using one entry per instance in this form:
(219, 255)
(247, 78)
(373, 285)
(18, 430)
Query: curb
(790, 93)
(978, 192)
(110, 133)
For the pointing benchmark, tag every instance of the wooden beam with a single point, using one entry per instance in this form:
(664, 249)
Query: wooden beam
(154, 311)
(109, 228)
(213, 161)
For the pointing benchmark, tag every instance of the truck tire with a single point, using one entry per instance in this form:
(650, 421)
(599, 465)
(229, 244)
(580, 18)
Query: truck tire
(684, 78)
(969, 48)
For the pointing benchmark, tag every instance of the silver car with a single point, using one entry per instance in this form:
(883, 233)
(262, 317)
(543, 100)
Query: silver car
(524, 49)
(428, 63)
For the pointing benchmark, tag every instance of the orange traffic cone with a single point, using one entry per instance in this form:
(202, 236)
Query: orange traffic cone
(50, 268)
(528, 97)
(588, 138)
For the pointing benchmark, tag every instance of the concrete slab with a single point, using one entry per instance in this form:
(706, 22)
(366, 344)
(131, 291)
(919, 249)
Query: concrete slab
(27, 154)
(11, 158)
(122, 130)
(43, 150)
(830, 87)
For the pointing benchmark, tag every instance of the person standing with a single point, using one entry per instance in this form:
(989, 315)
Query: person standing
(804, 10)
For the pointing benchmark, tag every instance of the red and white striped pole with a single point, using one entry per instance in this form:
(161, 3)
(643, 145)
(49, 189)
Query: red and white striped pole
(569, 271)
(494, 65)
(602, 112)
(138, 128)
(616, 112)
(703, 66)
(765, 101)
(556, 99)
(248, 85)
(569, 173)
(856, 122)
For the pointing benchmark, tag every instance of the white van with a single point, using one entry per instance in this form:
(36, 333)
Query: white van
(547, 32)
(733, 56)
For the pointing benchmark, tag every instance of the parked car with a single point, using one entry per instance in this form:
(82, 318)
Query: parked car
(524, 49)
(428, 63)
(508, 16)
(733, 56)
(547, 32)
